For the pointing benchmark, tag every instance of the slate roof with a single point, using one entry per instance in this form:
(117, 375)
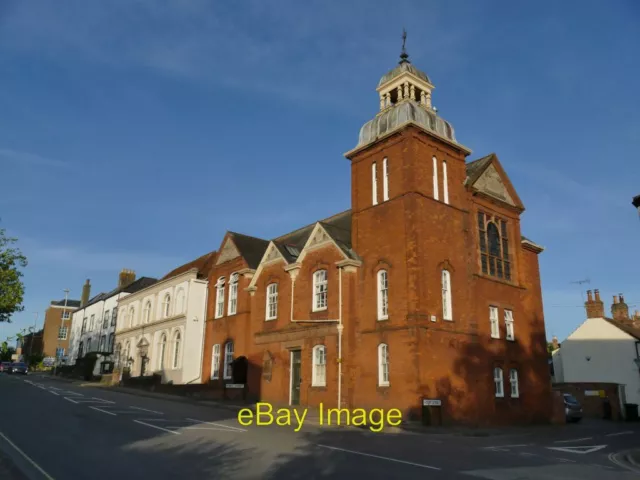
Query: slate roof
(203, 264)
(625, 327)
(475, 168)
(70, 303)
(139, 284)
(251, 248)
(337, 226)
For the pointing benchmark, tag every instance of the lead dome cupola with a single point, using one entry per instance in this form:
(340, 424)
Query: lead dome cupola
(405, 97)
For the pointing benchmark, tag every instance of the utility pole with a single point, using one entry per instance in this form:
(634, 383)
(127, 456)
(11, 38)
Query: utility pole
(33, 334)
(64, 312)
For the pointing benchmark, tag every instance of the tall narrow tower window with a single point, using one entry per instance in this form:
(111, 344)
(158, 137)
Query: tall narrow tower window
(385, 180)
(435, 179)
(445, 182)
(374, 184)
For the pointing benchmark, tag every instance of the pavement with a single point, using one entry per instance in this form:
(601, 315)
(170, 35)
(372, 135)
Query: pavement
(51, 429)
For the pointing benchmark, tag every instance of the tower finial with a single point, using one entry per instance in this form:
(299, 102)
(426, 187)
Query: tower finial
(404, 55)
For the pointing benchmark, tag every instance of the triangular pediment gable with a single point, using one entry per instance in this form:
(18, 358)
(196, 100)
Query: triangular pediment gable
(271, 255)
(228, 251)
(319, 238)
(492, 180)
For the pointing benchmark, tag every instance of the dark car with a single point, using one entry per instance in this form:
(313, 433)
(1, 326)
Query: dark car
(572, 408)
(19, 367)
(5, 366)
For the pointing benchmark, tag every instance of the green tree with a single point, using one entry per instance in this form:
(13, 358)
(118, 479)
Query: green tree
(5, 352)
(11, 286)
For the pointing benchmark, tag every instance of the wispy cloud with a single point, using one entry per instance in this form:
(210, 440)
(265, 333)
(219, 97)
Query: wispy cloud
(30, 159)
(241, 48)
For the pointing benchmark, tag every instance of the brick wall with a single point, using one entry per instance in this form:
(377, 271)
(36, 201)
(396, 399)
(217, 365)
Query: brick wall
(414, 237)
(593, 406)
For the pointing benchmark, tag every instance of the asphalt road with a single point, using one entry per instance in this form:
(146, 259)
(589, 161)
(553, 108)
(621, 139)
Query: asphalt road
(55, 430)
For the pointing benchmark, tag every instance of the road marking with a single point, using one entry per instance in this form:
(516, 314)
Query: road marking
(217, 425)
(602, 466)
(506, 446)
(103, 400)
(573, 440)
(525, 454)
(564, 459)
(103, 411)
(159, 428)
(628, 432)
(70, 399)
(54, 393)
(582, 449)
(201, 428)
(380, 457)
(613, 457)
(35, 465)
(147, 410)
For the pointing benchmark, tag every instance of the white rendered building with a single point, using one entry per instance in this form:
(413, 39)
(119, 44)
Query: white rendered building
(93, 324)
(161, 329)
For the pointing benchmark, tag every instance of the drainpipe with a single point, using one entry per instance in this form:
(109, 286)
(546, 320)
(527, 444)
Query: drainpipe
(339, 326)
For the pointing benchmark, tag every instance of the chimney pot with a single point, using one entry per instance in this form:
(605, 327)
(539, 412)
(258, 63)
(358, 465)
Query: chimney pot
(621, 299)
(597, 292)
(615, 299)
(589, 296)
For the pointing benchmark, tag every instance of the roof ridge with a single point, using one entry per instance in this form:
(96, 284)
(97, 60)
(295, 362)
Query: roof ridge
(247, 236)
(325, 220)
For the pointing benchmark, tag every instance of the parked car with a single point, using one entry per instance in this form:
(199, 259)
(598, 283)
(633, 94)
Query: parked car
(4, 367)
(19, 368)
(572, 408)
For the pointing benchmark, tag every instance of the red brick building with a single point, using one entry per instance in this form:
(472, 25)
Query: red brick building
(425, 288)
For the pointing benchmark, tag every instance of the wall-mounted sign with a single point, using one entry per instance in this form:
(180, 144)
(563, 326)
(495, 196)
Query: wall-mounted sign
(431, 403)
(234, 385)
(592, 393)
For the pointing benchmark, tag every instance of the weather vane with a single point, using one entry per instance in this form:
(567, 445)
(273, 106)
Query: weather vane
(404, 54)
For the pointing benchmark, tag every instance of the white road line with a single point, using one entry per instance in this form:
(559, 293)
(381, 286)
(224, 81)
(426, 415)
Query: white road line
(147, 410)
(601, 466)
(507, 446)
(629, 432)
(217, 425)
(159, 428)
(564, 459)
(103, 411)
(525, 454)
(573, 440)
(103, 400)
(613, 457)
(35, 465)
(202, 428)
(70, 400)
(54, 393)
(380, 457)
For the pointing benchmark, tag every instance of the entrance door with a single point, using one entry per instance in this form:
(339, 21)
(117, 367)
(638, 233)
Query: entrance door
(295, 377)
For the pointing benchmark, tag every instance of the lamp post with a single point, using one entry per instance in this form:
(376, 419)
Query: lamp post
(64, 312)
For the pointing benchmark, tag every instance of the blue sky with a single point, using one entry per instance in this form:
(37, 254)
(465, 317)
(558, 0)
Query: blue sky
(134, 133)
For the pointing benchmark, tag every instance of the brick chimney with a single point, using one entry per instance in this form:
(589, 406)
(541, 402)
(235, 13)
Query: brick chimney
(595, 308)
(555, 343)
(86, 293)
(619, 309)
(126, 278)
